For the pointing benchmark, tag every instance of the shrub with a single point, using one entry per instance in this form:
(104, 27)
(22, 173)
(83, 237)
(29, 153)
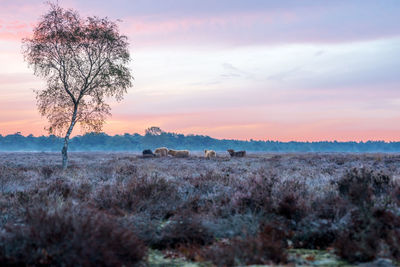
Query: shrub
(370, 235)
(239, 224)
(265, 248)
(60, 186)
(126, 170)
(7, 176)
(69, 236)
(373, 229)
(47, 171)
(154, 195)
(183, 230)
(329, 207)
(360, 186)
(395, 195)
(315, 234)
(255, 194)
(292, 207)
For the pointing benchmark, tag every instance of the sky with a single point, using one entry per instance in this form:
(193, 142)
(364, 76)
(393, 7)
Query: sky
(266, 70)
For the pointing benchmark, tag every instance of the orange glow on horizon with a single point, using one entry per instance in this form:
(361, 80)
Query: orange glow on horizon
(285, 132)
(255, 72)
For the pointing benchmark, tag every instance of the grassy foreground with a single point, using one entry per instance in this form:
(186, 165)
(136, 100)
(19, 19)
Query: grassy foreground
(117, 209)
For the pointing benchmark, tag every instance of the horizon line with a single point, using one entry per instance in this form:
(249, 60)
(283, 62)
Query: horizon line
(221, 139)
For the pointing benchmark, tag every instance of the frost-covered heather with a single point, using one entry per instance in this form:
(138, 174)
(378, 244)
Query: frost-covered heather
(205, 210)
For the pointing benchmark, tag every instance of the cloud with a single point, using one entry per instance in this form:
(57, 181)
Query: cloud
(17, 78)
(281, 76)
(14, 31)
(231, 71)
(226, 22)
(266, 24)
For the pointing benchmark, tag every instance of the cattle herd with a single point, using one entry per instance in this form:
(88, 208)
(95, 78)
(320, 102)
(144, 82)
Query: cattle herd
(164, 152)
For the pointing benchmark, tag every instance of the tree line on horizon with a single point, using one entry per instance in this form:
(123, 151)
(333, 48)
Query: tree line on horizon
(153, 139)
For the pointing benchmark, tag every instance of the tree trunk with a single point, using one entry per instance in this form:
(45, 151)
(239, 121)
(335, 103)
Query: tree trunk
(64, 151)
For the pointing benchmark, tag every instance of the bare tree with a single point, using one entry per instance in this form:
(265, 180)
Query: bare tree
(84, 61)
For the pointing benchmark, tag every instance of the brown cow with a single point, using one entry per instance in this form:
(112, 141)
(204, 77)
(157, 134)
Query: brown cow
(210, 154)
(179, 153)
(161, 152)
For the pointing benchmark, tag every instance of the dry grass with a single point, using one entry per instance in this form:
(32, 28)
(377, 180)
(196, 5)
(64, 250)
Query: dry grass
(258, 205)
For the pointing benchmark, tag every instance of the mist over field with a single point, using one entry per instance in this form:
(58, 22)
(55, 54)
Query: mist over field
(137, 143)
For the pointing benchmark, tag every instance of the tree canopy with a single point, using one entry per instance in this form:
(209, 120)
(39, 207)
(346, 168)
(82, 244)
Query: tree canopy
(84, 61)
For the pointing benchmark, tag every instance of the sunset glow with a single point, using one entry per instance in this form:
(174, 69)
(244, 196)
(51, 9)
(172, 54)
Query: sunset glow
(265, 70)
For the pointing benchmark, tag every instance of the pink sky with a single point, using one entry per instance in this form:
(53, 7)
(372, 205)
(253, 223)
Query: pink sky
(233, 69)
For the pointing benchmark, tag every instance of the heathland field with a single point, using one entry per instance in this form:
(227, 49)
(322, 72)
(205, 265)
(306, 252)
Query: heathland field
(115, 209)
